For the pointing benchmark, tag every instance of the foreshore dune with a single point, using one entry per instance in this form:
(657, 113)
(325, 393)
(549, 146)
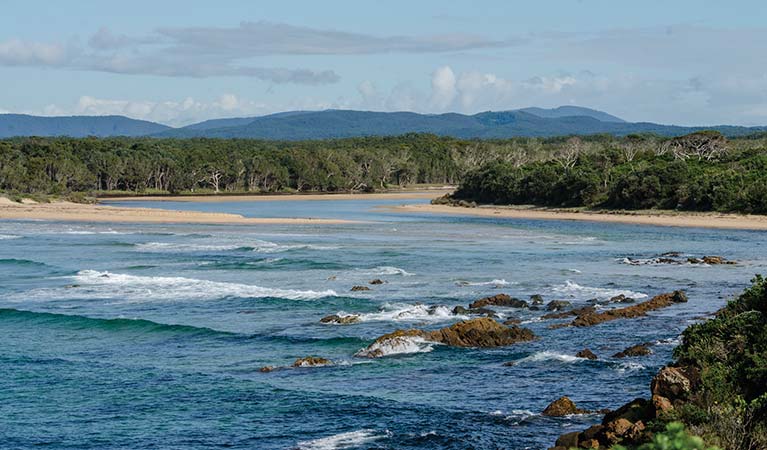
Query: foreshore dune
(658, 218)
(76, 212)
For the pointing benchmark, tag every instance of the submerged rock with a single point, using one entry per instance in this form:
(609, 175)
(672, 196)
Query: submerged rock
(343, 320)
(562, 406)
(359, 288)
(480, 332)
(312, 361)
(499, 300)
(536, 299)
(633, 351)
(377, 281)
(586, 353)
(266, 369)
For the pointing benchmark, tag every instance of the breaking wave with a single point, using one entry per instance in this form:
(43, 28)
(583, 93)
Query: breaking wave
(575, 290)
(350, 439)
(399, 345)
(91, 284)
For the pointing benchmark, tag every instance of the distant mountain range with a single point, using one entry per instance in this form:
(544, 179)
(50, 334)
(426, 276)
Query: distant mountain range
(304, 125)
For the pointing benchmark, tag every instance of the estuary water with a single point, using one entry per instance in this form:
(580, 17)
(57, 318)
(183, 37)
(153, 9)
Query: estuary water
(152, 336)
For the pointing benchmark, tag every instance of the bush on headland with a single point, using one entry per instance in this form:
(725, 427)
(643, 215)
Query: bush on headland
(716, 387)
(698, 172)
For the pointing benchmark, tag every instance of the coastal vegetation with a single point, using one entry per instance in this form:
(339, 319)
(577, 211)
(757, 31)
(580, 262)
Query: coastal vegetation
(702, 171)
(716, 387)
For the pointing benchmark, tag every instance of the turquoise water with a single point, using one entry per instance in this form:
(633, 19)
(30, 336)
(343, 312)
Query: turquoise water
(152, 336)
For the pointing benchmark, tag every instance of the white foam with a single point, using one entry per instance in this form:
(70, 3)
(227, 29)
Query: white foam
(575, 290)
(91, 284)
(673, 341)
(5, 237)
(256, 245)
(496, 282)
(629, 367)
(386, 270)
(549, 356)
(398, 345)
(403, 312)
(350, 439)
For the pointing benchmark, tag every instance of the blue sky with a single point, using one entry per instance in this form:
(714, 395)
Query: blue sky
(177, 62)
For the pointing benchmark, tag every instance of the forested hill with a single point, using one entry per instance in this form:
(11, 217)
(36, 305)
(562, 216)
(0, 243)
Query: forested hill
(533, 122)
(338, 124)
(76, 126)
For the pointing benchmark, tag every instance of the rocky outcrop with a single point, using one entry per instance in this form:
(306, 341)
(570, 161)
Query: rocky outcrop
(592, 317)
(461, 311)
(499, 300)
(359, 288)
(634, 351)
(586, 353)
(573, 312)
(710, 260)
(312, 361)
(480, 332)
(561, 407)
(377, 281)
(342, 320)
(558, 305)
(676, 258)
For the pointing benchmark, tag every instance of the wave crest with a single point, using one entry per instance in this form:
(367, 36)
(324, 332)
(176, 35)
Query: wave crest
(349, 439)
(575, 290)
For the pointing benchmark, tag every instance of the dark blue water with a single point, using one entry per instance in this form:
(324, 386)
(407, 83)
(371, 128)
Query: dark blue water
(152, 336)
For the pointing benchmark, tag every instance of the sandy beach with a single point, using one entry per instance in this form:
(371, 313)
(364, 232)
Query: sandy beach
(659, 218)
(404, 195)
(76, 212)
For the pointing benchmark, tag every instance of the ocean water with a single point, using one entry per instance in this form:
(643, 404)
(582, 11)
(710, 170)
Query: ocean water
(152, 336)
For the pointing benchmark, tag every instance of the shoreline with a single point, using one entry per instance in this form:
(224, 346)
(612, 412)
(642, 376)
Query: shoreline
(414, 194)
(77, 212)
(657, 218)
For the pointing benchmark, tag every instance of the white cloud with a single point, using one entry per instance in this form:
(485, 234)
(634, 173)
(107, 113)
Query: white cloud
(15, 52)
(443, 89)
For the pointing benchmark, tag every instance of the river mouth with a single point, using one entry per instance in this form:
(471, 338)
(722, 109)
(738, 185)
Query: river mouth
(150, 330)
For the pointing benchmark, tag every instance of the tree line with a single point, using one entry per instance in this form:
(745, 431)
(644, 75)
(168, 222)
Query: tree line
(701, 171)
(698, 171)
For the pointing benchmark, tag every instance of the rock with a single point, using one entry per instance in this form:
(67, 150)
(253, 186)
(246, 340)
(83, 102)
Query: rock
(376, 281)
(562, 406)
(312, 361)
(589, 443)
(343, 320)
(499, 300)
(661, 404)
(461, 311)
(714, 260)
(479, 332)
(620, 298)
(512, 322)
(634, 351)
(360, 288)
(572, 312)
(568, 440)
(558, 305)
(635, 410)
(588, 319)
(672, 383)
(536, 299)
(586, 353)
(672, 254)
(694, 261)
(266, 369)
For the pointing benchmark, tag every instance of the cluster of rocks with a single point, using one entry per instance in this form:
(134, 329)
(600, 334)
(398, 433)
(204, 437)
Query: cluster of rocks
(678, 258)
(589, 316)
(362, 288)
(628, 424)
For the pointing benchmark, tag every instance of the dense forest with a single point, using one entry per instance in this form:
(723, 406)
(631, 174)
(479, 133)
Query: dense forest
(700, 171)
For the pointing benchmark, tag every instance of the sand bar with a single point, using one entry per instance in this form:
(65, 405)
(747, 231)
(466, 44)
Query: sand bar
(76, 212)
(397, 195)
(659, 218)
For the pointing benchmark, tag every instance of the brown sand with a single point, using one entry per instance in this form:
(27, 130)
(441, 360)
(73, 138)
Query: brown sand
(66, 211)
(660, 218)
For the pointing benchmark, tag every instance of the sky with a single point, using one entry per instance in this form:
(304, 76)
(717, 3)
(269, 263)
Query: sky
(179, 62)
